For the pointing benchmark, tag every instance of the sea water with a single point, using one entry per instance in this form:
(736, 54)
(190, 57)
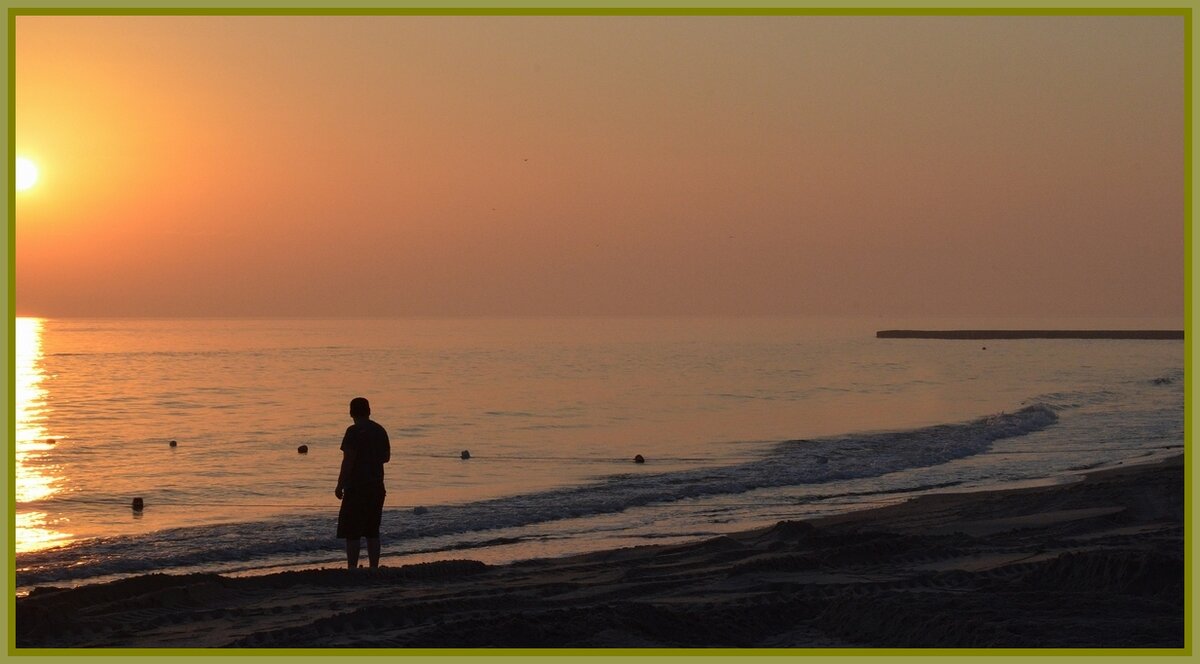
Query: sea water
(741, 422)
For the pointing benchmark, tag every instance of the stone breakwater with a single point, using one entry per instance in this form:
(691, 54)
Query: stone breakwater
(1029, 334)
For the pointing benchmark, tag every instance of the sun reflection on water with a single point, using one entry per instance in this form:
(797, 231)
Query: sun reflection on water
(36, 479)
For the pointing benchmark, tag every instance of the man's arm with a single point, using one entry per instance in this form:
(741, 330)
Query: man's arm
(347, 463)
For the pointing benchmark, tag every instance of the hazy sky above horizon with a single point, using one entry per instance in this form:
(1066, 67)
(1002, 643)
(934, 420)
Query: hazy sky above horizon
(430, 166)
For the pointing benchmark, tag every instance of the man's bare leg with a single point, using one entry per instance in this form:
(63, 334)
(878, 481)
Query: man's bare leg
(373, 551)
(352, 547)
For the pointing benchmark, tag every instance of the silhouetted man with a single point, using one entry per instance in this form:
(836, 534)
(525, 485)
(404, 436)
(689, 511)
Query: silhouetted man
(365, 448)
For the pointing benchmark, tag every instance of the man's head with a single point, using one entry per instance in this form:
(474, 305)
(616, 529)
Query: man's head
(360, 407)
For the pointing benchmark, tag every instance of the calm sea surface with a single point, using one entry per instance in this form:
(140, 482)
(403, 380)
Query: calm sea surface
(742, 422)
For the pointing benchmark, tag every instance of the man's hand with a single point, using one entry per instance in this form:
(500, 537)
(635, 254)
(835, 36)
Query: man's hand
(338, 492)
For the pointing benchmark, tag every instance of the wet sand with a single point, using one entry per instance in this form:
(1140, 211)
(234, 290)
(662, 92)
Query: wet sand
(1096, 563)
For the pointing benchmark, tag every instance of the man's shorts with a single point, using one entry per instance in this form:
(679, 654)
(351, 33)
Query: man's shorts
(362, 510)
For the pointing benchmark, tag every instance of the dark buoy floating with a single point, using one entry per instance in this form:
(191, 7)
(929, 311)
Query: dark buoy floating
(639, 459)
(303, 449)
(173, 443)
(466, 454)
(420, 510)
(138, 505)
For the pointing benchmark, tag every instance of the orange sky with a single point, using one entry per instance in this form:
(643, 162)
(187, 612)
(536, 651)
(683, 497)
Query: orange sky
(380, 166)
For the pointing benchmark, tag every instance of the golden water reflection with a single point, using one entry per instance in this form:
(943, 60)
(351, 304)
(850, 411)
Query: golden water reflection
(35, 473)
(34, 533)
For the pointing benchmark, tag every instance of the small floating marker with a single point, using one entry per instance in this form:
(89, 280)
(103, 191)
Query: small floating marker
(420, 510)
(466, 454)
(138, 505)
(303, 449)
(985, 347)
(50, 441)
(639, 459)
(174, 443)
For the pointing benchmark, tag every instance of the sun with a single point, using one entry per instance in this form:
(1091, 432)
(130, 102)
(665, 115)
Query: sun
(27, 173)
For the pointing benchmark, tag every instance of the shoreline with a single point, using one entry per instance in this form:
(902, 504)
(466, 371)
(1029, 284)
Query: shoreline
(1092, 563)
(498, 552)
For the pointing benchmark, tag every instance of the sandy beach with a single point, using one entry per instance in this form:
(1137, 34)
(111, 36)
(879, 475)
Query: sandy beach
(1095, 563)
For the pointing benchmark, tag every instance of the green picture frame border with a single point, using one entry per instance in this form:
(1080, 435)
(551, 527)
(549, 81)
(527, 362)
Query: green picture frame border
(577, 8)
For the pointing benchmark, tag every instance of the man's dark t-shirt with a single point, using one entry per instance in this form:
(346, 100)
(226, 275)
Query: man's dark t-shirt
(371, 450)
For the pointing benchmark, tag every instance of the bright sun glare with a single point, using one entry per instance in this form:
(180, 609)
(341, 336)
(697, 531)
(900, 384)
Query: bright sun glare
(27, 174)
